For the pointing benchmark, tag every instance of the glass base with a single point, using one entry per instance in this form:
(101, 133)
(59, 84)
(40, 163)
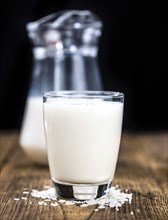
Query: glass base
(81, 191)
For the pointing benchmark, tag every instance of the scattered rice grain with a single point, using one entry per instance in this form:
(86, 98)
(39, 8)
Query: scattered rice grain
(84, 205)
(54, 204)
(40, 202)
(62, 200)
(47, 200)
(114, 198)
(69, 203)
(25, 192)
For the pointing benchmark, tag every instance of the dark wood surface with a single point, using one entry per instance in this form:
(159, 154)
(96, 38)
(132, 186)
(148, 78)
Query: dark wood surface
(142, 169)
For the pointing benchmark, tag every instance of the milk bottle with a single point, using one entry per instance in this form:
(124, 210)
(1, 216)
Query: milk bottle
(65, 58)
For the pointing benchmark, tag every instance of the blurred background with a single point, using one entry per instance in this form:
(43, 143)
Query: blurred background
(131, 57)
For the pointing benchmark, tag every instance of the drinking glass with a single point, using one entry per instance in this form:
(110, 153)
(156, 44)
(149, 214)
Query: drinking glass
(83, 132)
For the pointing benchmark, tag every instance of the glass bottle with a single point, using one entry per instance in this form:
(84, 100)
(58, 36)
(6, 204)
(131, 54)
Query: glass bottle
(65, 58)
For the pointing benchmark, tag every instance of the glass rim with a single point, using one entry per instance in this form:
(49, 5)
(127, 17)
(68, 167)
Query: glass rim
(83, 94)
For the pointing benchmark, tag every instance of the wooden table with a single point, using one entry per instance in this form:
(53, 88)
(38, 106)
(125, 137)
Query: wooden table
(142, 169)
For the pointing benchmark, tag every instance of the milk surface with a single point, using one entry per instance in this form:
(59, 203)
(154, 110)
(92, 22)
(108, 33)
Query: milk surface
(32, 138)
(83, 140)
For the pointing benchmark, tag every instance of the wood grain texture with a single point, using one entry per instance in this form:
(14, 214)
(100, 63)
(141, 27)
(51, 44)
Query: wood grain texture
(142, 169)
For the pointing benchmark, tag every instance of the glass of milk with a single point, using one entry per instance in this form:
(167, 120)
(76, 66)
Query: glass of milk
(83, 131)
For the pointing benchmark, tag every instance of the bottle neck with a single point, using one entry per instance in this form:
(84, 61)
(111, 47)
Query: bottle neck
(48, 52)
(65, 70)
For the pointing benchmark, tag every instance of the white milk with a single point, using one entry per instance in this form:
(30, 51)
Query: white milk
(83, 140)
(32, 138)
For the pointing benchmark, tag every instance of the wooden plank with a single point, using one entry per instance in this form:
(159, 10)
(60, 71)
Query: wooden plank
(142, 169)
(7, 140)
